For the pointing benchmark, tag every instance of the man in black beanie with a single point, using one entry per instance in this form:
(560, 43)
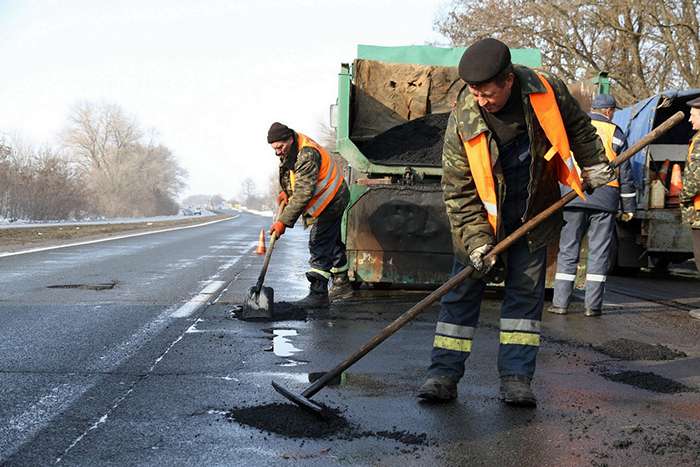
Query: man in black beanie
(508, 143)
(313, 187)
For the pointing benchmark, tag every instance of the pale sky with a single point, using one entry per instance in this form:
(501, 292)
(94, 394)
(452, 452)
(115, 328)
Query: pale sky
(209, 76)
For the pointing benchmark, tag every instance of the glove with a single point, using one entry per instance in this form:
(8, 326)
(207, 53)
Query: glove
(278, 228)
(282, 198)
(626, 216)
(476, 257)
(597, 175)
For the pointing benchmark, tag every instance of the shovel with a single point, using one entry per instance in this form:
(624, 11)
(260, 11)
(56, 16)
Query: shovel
(260, 302)
(304, 401)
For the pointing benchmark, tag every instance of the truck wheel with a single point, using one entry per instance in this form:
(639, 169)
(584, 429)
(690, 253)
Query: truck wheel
(659, 264)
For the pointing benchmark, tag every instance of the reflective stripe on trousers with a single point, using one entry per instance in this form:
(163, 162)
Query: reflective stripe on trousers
(521, 313)
(600, 227)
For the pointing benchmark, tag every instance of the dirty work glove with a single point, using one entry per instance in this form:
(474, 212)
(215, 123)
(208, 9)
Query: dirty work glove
(278, 228)
(282, 198)
(626, 216)
(476, 257)
(597, 175)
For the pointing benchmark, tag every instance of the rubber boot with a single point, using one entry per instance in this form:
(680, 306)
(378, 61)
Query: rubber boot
(318, 292)
(438, 389)
(516, 391)
(340, 287)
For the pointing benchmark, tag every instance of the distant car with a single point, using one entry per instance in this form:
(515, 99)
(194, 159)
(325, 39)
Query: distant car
(196, 212)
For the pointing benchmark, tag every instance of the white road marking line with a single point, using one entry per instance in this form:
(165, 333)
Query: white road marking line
(199, 300)
(100, 240)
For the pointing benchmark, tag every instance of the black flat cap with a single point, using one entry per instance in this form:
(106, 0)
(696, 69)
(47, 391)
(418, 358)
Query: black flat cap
(483, 60)
(694, 103)
(278, 132)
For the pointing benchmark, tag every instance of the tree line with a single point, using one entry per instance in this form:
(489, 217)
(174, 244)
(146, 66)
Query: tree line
(646, 46)
(106, 164)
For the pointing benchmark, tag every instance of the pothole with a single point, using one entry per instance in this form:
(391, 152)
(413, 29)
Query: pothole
(627, 349)
(103, 286)
(649, 381)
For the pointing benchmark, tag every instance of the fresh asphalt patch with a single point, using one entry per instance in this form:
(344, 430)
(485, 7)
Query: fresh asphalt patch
(281, 311)
(647, 380)
(627, 349)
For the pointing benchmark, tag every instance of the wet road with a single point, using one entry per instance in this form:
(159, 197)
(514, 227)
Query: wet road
(124, 376)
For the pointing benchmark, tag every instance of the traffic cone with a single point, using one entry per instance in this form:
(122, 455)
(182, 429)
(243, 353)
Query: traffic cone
(674, 190)
(663, 171)
(261, 250)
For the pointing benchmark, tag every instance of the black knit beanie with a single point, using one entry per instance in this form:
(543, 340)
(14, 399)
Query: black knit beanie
(278, 132)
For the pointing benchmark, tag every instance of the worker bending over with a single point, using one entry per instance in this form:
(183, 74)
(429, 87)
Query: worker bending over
(508, 143)
(313, 187)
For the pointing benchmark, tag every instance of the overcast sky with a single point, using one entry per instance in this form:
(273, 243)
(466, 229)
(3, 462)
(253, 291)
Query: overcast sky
(209, 76)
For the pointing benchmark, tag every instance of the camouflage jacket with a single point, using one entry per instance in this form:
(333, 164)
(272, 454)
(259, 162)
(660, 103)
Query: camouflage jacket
(470, 227)
(691, 184)
(306, 165)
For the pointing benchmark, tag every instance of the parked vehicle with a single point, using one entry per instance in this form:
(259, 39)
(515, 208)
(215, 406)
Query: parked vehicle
(656, 236)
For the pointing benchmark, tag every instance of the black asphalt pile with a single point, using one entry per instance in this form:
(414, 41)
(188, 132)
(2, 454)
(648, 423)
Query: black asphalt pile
(294, 422)
(648, 381)
(290, 420)
(627, 349)
(677, 441)
(418, 143)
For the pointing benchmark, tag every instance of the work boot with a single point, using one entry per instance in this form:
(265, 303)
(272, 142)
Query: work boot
(695, 313)
(516, 391)
(557, 310)
(438, 389)
(340, 287)
(318, 292)
(591, 312)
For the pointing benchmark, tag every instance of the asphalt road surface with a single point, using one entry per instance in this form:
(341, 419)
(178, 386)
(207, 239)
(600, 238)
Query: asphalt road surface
(127, 352)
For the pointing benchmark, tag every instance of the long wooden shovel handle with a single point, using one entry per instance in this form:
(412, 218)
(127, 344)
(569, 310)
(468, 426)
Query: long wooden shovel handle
(268, 254)
(455, 280)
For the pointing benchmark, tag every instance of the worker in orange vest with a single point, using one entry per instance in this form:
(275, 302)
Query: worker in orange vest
(595, 217)
(313, 187)
(690, 193)
(508, 143)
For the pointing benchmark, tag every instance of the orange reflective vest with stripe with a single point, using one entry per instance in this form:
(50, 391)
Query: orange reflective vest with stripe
(549, 117)
(606, 131)
(329, 178)
(696, 198)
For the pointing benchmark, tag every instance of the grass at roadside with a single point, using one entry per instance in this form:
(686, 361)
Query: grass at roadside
(35, 237)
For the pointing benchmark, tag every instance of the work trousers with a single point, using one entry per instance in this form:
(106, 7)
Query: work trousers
(521, 314)
(326, 247)
(600, 226)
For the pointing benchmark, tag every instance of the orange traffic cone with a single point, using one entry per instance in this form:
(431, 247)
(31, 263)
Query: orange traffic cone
(261, 250)
(663, 171)
(674, 190)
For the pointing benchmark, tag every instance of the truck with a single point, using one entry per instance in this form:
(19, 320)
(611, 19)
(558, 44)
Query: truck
(390, 118)
(656, 237)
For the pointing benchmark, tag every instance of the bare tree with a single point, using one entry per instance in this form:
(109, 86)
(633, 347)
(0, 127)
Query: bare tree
(645, 47)
(126, 175)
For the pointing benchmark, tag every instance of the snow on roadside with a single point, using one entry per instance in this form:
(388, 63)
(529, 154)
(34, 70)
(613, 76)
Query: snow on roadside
(24, 223)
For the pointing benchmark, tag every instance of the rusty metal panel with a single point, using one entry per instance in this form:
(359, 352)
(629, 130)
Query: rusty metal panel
(399, 234)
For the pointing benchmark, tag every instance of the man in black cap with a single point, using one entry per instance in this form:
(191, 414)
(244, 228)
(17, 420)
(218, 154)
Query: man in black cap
(508, 143)
(313, 188)
(690, 193)
(595, 217)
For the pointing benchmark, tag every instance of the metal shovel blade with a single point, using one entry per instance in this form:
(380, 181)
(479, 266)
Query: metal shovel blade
(258, 304)
(299, 400)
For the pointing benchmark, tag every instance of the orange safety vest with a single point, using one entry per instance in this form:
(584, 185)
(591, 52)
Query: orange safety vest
(606, 131)
(328, 182)
(549, 117)
(696, 198)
